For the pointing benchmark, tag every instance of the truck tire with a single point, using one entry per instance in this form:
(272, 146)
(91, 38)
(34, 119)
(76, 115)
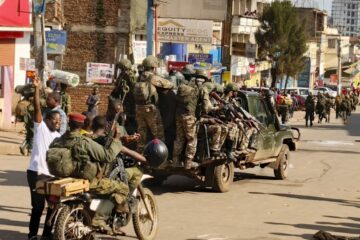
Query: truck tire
(223, 177)
(281, 172)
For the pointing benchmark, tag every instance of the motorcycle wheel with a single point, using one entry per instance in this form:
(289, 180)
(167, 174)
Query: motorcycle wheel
(144, 227)
(70, 222)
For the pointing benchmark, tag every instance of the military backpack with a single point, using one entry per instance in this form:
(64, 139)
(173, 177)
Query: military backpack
(66, 159)
(188, 98)
(144, 92)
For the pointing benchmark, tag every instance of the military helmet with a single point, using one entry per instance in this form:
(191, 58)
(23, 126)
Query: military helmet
(125, 64)
(209, 86)
(231, 87)
(156, 153)
(150, 62)
(201, 73)
(219, 88)
(188, 69)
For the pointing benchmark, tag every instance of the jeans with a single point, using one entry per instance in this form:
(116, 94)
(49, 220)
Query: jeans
(38, 205)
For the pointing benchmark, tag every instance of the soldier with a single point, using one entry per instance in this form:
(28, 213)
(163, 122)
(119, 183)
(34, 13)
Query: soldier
(230, 92)
(328, 106)
(310, 109)
(337, 106)
(345, 108)
(320, 107)
(124, 89)
(146, 97)
(65, 98)
(94, 158)
(188, 72)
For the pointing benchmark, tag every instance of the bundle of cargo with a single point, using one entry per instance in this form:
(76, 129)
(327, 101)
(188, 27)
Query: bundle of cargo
(62, 187)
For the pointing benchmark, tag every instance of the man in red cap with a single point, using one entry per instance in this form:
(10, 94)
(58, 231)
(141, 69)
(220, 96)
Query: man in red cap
(94, 158)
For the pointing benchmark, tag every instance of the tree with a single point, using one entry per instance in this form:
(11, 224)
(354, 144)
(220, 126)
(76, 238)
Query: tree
(281, 38)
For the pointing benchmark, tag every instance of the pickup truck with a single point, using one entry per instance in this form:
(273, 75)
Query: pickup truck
(273, 144)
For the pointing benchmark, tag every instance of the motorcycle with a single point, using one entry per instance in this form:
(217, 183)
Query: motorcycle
(72, 215)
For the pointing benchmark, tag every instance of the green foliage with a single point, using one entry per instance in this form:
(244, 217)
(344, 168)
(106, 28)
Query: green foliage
(282, 38)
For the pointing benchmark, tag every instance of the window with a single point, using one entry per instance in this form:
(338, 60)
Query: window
(353, 14)
(331, 43)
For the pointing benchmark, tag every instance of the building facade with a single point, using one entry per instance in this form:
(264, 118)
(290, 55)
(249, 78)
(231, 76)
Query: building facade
(14, 45)
(345, 16)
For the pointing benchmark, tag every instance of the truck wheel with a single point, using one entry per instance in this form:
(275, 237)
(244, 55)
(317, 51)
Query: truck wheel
(223, 177)
(281, 172)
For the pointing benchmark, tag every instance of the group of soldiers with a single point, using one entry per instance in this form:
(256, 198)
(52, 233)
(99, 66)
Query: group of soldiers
(322, 104)
(173, 109)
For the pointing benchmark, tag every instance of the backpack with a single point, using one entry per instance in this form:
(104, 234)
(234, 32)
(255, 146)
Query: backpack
(145, 93)
(21, 108)
(66, 159)
(187, 98)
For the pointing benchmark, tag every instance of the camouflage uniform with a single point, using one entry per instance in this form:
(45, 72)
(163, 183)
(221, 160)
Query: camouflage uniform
(186, 123)
(320, 107)
(124, 86)
(337, 106)
(310, 109)
(147, 114)
(84, 150)
(65, 102)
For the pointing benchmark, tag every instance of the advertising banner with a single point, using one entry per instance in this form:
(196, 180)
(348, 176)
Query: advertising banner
(304, 76)
(56, 41)
(200, 57)
(99, 73)
(185, 31)
(139, 50)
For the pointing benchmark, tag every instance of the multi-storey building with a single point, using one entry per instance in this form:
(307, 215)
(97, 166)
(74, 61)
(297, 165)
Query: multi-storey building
(345, 16)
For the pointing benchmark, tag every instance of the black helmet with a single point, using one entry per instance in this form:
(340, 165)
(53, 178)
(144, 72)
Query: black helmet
(156, 153)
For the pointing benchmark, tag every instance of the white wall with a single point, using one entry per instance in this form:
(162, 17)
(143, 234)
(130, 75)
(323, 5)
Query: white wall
(22, 50)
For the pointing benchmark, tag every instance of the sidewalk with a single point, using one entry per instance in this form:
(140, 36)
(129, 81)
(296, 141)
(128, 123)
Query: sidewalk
(10, 140)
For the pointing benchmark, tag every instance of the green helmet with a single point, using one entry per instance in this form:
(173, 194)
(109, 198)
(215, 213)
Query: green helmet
(219, 88)
(209, 86)
(201, 73)
(150, 62)
(125, 64)
(231, 87)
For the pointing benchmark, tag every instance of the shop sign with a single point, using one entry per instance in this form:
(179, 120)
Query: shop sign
(185, 31)
(56, 41)
(200, 57)
(178, 66)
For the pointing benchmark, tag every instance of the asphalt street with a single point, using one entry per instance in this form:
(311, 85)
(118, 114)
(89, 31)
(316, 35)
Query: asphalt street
(322, 193)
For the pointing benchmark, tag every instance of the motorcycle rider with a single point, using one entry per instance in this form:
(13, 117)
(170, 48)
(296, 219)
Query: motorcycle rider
(94, 158)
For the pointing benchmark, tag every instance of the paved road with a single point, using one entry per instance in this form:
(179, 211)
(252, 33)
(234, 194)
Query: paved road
(322, 193)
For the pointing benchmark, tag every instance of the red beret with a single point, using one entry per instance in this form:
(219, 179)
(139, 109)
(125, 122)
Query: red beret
(76, 117)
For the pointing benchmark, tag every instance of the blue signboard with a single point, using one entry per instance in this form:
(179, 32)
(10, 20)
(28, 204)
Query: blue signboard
(200, 57)
(56, 41)
(304, 77)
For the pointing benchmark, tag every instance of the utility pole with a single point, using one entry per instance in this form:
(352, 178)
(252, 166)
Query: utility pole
(339, 72)
(150, 27)
(38, 20)
(226, 37)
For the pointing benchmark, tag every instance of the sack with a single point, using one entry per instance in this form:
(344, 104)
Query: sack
(60, 162)
(21, 108)
(143, 92)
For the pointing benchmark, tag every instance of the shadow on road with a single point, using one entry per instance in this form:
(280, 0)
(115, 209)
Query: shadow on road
(13, 178)
(327, 151)
(14, 209)
(303, 236)
(349, 203)
(7, 234)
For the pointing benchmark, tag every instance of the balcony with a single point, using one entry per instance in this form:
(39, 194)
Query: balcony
(244, 25)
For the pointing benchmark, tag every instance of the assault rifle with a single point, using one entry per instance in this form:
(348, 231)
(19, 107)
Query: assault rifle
(110, 135)
(247, 116)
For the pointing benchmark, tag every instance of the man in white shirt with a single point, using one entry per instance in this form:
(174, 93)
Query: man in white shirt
(45, 131)
(53, 102)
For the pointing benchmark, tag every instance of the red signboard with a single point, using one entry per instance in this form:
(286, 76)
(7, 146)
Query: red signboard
(252, 68)
(15, 13)
(333, 79)
(178, 66)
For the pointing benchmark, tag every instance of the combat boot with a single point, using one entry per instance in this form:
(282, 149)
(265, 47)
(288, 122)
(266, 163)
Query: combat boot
(101, 216)
(189, 164)
(229, 150)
